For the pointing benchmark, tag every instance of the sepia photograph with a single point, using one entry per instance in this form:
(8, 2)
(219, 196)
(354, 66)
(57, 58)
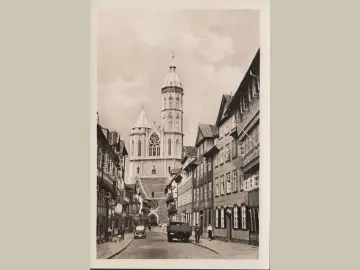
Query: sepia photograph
(178, 135)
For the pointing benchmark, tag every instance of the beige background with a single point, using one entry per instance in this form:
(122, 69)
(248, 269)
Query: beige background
(45, 142)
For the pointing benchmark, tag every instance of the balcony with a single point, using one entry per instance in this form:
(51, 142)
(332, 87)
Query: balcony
(251, 183)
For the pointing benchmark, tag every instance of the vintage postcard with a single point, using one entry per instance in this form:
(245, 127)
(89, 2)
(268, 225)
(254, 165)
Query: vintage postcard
(179, 89)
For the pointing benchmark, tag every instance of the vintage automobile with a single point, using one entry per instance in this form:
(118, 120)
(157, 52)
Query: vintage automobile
(179, 230)
(139, 232)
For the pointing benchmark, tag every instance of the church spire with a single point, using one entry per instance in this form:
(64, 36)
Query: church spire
(172, 64)
(142, 121)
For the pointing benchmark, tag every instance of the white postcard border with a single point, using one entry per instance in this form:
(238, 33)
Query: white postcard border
(263, 261)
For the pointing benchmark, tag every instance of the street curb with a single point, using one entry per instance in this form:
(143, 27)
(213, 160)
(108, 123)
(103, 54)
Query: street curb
(121, 250)
(205, 247)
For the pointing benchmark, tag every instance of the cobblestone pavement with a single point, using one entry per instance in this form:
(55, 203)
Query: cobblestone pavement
(156, 246)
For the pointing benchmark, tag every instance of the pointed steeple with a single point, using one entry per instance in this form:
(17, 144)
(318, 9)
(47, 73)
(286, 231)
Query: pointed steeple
(172, 64)
(141, 121)
(172, 79)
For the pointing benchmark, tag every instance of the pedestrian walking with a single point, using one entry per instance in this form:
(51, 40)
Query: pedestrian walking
(197, 233)
(149, 227)
(109, 233)
(120, 233)
(210, 230)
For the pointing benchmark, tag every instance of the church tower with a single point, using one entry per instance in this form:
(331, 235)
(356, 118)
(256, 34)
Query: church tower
(155, 150)
(172, 113)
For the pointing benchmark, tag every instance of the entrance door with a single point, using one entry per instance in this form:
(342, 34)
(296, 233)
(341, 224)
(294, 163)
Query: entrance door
(228, 229)
(153, 220)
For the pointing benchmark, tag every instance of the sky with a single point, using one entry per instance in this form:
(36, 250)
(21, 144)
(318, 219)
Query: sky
(213, 49)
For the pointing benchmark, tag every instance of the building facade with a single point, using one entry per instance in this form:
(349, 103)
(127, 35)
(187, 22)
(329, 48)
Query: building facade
(185, 185)
(108, 180)
(246, 107)
(203, 183)
(156, 150)
(236, 162)
(131, 208)
(119, 148)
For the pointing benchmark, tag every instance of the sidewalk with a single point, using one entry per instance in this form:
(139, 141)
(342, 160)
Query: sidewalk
(229, 250)
(110, 249)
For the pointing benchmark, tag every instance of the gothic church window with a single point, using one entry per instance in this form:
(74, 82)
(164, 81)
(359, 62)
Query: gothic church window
(170, 122)
(164, 102)
(139, 148)
(154, 145)
(169, 147)
(132, 147)
(177, 147)
(177, 103)
(170, 102)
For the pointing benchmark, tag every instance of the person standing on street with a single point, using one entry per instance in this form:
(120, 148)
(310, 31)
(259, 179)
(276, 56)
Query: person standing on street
(109, 233)
(209, 229)
(197, 233)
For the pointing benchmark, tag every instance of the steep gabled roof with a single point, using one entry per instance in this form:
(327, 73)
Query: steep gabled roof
(205, 131)
(225, 101)
(142, 121)
(255, 65)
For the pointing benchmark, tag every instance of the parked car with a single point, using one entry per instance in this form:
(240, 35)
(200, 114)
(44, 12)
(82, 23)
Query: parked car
(178, 230)
(139, 232)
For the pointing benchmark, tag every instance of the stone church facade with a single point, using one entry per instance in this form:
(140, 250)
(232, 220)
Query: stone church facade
(156, 150)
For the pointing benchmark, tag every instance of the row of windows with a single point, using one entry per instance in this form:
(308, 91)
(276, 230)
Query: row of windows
(185, 198)
(250, 95)
(178, 102)
(154, 149)
(250, 141)
(231, 184)
(203, 192)
(240, 148)
(242, 217)
(226, 127)
(108, 165)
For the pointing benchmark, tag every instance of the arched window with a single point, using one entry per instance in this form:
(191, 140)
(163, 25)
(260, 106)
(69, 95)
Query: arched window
(177, 103)
(153, 194)
(236, 216)
(154, 145)
(170, 122)
(177, 121)
(170, 102)
(164, 102)
(137, 170)
(177, 147)
(132, 147)
(244, 217)
(222, 218)
(169, 147)
(139, 148)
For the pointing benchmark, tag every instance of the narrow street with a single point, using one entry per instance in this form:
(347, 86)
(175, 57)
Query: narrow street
(156, 246)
